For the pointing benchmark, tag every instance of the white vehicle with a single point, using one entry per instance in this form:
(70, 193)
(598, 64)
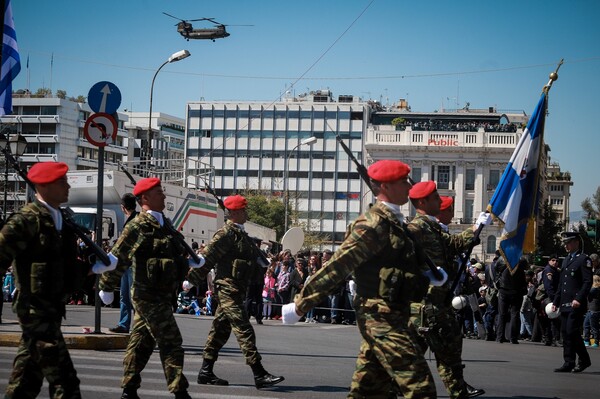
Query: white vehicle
(194, 213)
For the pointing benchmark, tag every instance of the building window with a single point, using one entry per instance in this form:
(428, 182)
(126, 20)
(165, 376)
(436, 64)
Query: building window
(470, 179)
(443, 177)
(491, 245)
(494, 179)
(416, 174)
(468, 216)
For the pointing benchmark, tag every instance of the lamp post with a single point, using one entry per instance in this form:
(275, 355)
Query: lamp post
(178, 56)
(309, 141)
(15, 145)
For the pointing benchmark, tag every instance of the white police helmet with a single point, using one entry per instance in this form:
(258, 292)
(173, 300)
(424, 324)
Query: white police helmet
(459, 302)
(550, 313)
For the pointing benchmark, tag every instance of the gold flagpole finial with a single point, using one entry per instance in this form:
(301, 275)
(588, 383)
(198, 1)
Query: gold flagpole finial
(553, 77)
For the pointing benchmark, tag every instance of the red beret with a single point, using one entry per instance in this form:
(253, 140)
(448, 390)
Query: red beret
(422, 189)
(446, 202)
(235, 202)
(47, 172)
(388, 170)
(145, 184)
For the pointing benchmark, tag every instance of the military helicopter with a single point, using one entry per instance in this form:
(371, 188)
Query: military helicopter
(186, 29)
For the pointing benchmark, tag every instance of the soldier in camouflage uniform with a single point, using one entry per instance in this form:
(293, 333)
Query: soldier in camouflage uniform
(158, 264)
(386, 266)
(434, 315)
(43, 253)
(234, 255)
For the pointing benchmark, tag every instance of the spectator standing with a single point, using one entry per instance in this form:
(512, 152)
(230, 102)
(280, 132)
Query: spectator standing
(283, 285)
(594, 312)
(128, 204)
(268, 294)
(571, 299)
(550, 280)
(8, 286)
(297, 277)
(587, 327)
(511, 288)
(527, 311)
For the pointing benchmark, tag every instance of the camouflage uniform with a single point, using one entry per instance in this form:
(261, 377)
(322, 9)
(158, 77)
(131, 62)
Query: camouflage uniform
(158, 266)
(46, 272)
(435, 312)
(233, 255)
(387, 272)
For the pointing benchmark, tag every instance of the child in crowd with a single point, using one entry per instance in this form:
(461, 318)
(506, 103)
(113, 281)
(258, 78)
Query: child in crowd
(268, 293)
(185, 298)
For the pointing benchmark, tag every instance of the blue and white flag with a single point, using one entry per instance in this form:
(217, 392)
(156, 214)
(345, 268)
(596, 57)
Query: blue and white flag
(11, 63)
(515, 201)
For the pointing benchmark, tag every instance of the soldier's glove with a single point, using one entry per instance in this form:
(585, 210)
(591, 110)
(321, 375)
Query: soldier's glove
(100, 267)
(435, 282)
(483, 219)
(289, 313)
(107, 297)
(192, 263)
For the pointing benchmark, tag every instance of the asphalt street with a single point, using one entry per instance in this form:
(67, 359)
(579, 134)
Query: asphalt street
(317, 361)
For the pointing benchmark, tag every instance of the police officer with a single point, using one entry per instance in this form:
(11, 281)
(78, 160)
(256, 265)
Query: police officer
(387, 270)
(158, 264)
(550, 282)
(435, 313)
(234, 255)
(571, 300)
(44, 252)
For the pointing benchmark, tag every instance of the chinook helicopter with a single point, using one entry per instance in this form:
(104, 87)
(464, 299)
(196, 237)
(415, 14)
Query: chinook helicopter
(186, 29)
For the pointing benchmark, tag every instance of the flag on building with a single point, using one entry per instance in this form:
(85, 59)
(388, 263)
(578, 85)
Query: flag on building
(515, 201)
(11, 63)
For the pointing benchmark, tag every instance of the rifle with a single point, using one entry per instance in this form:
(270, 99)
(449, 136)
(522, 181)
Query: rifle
(362, 171)
(169, 225)
(67, 214)
(263, 260)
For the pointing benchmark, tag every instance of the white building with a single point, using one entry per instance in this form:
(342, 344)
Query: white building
(53, 128)
(256, 145)
(464, 151)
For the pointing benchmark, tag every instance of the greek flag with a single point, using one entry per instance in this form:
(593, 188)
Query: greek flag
(11, 63)
(515, 201)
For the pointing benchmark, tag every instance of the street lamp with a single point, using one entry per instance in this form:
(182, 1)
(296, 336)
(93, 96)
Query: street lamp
(15, 145)
(178, 56)
(309, 141)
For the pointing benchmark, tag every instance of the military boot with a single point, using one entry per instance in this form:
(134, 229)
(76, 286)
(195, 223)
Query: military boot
(262, 378)
(129, 393)
(473, 392)
(206, 375)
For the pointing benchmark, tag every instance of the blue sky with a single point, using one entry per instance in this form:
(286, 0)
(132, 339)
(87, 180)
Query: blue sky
(433, 53)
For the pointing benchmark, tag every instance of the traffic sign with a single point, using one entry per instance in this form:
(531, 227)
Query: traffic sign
(100, 129)
(104, 97)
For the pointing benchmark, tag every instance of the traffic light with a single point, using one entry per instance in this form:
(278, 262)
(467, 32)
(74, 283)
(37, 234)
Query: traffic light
(592, 228)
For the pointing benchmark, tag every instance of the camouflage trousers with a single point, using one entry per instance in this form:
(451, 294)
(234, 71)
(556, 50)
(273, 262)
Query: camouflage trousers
(42, 354)
(445, 341)
(231, 315)
(154, 324)
(389, 354)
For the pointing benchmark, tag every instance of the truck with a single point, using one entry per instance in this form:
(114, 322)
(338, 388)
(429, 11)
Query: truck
(194, 213)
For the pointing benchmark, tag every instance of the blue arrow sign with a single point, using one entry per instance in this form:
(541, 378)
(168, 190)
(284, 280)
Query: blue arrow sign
(104, 97)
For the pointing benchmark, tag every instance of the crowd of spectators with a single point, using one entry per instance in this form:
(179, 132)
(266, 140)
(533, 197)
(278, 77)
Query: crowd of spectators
(511, 306)
(453, 126)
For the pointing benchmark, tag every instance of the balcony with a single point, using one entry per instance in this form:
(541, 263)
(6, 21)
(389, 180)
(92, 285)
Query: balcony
(387, 135)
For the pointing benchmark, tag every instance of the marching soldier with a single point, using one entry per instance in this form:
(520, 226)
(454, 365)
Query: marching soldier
(234, 255)
(435, 315)
(158, 264)
(571, 300)
(387, 270)
(44, 254)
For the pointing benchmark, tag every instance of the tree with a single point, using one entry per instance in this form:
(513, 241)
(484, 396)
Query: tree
(592, 207)
(61, 94)
(397, 122)
(43, 92)
(265, 210)
(548, 239)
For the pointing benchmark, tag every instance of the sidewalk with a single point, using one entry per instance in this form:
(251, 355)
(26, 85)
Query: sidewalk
(75, 337)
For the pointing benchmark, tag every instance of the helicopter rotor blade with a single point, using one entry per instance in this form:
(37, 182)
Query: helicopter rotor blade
(202, 19)
(172, 16)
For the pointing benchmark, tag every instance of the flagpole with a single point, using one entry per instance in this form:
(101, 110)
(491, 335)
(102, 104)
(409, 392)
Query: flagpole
(553, 77)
